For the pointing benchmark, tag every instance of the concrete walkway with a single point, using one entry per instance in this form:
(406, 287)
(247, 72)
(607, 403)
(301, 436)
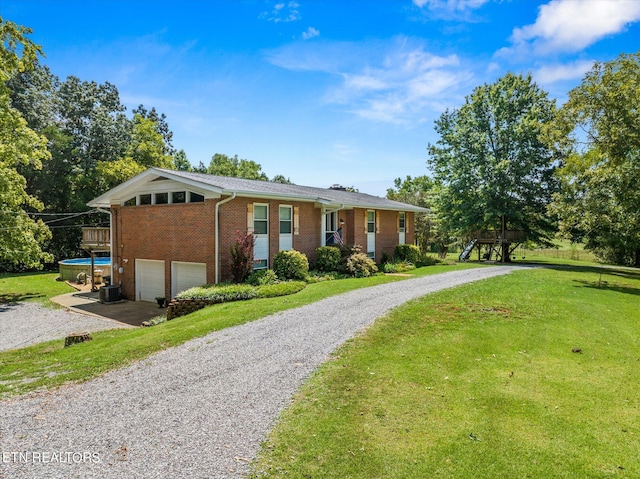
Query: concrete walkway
(125, 313)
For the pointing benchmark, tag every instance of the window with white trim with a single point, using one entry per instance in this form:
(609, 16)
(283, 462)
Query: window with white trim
(286, 220)
(402, 222)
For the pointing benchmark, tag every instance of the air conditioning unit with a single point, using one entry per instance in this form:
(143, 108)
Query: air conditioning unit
(109, 294)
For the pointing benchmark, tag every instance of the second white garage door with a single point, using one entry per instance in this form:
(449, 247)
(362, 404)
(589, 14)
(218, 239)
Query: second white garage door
(149, 279)
(187, 275)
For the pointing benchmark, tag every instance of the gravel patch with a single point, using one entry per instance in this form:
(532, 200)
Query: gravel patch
(199, 410)
(24, 324)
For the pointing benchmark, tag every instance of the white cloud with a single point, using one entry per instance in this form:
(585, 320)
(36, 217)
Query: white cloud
(571, 25)
(310, 33)
(549, 74)
(396, 81)
(283, 12)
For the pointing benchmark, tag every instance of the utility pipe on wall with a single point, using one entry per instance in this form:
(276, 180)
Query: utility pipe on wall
(217, 233)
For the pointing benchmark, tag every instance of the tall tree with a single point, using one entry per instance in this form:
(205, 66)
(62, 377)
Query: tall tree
(20, 236)
(162, 126)
(600, 202)
(224, 165)
(147, 148)
(492, 163)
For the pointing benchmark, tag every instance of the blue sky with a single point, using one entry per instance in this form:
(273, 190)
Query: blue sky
(322, 92)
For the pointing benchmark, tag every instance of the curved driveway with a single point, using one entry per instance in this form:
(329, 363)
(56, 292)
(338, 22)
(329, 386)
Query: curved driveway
(199, 410)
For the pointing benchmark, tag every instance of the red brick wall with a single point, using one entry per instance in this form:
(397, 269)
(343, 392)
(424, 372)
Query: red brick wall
(186, 232)
(180, 232)
(233, 218)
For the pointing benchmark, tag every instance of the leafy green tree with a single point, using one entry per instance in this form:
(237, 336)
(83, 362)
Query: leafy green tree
(85, 124)
(223, 165)
(146, 149)
(181, 162)
(20, 236)
(493, 164)
(600, 201)
(281, 179)
(160, 120)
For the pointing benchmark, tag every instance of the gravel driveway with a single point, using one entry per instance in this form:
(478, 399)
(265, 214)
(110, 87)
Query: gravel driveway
(24, 324)
(199, 410)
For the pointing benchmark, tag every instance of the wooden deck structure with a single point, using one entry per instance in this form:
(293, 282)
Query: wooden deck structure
(95, 240)
(501, 243)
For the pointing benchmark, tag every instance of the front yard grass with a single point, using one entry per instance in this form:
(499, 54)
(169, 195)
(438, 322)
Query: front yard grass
(49, 364)
(533, 374)
(31, 287)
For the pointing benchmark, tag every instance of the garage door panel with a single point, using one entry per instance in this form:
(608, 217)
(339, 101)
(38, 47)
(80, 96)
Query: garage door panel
(149, 279)
(187, 275)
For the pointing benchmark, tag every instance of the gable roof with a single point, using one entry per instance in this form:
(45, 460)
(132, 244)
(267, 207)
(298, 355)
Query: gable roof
(225, 185)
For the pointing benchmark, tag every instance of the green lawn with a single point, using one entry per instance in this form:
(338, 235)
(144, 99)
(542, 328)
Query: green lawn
(31, 287)
(481, 381)
(49, 364)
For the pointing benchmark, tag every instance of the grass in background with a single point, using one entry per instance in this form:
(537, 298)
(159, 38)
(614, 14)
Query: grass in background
(533, 374)
(15, 287)
(49, 364)
(565, 253)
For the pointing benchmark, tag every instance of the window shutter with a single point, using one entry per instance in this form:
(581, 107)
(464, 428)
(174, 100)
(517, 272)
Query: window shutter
(398, 222)
(377, 222)
(250, 218)
(296, 220)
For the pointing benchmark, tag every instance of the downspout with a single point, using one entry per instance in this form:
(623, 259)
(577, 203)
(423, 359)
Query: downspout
(217, 228)
(110, 244)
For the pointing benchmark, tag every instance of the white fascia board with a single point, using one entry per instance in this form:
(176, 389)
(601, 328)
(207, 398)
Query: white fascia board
(132, 186)
(275, 196)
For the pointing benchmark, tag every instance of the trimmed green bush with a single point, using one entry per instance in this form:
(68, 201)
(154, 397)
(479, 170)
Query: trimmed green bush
(262, 277)
(291, 265)
(428, 260)
(327, 258)
(220, 294)
(398, 267)
(406, 252)
(361, 266)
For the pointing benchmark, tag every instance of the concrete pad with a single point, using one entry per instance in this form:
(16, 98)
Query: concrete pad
(133, 313)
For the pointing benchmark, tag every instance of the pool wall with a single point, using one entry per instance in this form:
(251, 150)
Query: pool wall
(69, 270)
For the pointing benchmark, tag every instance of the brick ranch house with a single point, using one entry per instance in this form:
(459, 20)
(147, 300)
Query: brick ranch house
(171, 230)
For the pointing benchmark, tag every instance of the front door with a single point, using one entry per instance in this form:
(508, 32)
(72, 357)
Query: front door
(261, 231)
(371, 234)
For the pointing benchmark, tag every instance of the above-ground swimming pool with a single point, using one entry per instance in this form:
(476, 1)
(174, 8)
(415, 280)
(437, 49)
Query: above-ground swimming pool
(70, 268)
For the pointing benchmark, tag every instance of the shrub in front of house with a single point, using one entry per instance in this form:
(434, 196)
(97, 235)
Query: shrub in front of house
(327, 258)
(219, 294)
(360, 265)
(407, 252)
(291, 265)
(262, 277)
(398, 267)
(242, 256)
(428, 260)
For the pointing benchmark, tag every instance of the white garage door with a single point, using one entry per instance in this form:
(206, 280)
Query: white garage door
(187, 275)
(149, 279)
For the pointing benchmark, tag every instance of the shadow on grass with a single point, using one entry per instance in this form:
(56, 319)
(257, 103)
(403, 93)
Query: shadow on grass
(605, 285)
(9, 298)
